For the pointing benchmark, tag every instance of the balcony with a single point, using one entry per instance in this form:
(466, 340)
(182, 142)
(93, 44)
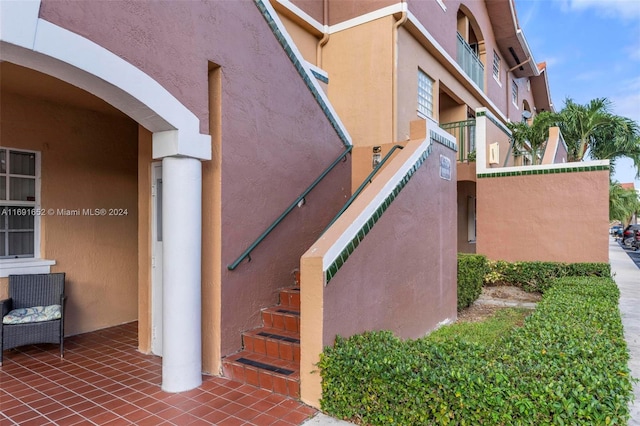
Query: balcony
(465, 134)
(470, 63)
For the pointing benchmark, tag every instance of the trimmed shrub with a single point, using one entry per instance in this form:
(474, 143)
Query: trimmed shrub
(566, 365)
(471, 271)
(537, 276)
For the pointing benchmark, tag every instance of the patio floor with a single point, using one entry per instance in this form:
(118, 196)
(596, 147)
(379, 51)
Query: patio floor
(104, 380)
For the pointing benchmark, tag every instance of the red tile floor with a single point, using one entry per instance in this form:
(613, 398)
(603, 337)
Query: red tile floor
(104, 380)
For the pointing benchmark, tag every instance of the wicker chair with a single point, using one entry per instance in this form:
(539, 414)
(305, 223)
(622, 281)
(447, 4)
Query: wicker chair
(27, 291)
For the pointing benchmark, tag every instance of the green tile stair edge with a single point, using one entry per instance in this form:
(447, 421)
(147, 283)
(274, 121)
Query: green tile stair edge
(298, 65)
(333, 269)
(443, 140)
(320, 77)
(544, 171)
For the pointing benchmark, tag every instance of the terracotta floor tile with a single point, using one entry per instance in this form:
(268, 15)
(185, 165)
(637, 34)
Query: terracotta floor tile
(37, 388)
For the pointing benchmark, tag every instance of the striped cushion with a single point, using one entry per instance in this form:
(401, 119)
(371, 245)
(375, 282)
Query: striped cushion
(35, 314)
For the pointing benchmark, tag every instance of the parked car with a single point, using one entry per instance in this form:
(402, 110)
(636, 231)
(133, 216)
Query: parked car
(616, 230)
(629, 235)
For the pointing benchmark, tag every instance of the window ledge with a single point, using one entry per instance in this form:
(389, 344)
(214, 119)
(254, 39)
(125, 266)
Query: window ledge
(25, 266)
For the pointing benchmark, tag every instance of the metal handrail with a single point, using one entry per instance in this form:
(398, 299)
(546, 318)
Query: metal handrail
(247, 252)
(362, 186)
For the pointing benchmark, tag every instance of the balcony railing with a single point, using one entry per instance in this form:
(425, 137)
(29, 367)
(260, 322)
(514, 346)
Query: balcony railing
(470, 63)
(465, 134)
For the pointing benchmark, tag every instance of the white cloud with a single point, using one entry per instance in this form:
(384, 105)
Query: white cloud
(627, 101)
(623, 9)
(633, 51)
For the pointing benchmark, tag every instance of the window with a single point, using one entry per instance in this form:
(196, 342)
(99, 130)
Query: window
(496, 66)
(18, 178)
(425, 95)
(514, 92)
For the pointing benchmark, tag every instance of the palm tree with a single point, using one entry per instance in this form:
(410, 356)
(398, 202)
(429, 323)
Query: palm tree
(623, 203)
(579, 124)
(532, 136)
(620, 138)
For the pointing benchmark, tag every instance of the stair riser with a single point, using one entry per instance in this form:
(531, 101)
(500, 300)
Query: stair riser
(290, 298)
(281, 321)
(270, 381)
(274, 348)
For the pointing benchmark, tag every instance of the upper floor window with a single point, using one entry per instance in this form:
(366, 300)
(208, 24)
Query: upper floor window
(496, 66)
(425, 94)
(514, 92)
(19, 173)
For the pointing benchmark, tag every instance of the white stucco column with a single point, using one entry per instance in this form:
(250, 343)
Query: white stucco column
(181, 269)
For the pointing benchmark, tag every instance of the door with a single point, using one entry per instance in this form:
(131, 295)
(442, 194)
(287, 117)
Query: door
(156, 258)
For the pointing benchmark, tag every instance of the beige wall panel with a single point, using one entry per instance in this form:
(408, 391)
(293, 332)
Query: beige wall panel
(359, 64)
(89, 160)
(560, 217)
(144, 239)
(304, 41)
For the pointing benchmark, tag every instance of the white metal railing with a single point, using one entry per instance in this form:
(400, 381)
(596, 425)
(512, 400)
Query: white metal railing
(470, 63)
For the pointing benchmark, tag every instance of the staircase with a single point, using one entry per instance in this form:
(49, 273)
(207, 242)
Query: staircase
(270, 358)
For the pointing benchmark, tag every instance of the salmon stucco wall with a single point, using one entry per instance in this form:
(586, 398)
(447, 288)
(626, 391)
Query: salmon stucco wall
(88, 161)
(412, 290)
(275, 138)
(561, 217)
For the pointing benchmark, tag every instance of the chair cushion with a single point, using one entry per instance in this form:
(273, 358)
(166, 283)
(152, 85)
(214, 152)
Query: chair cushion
(35, 314)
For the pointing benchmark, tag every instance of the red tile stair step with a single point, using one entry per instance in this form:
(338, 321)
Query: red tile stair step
(270, 358)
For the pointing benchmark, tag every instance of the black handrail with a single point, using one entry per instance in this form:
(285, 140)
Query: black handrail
(366, 182)
(247, 252)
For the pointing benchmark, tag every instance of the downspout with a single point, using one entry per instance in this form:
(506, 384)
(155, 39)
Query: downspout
(325, 36)
(394, 69)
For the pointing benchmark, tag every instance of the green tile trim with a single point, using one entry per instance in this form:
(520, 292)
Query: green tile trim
(298, 65)
(443, 140)
(495, 121)
(333, 269)
(543, 171)
(320, 77)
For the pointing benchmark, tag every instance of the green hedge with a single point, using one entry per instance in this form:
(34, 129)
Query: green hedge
(566, 365)
(471, 271)
(537, 276)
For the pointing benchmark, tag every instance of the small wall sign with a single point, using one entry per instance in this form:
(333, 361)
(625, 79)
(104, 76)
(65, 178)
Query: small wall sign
(445, 167)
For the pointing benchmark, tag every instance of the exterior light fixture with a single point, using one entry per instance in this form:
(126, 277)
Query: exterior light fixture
(376, 158)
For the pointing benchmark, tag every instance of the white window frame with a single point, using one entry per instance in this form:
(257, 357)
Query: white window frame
(514, 93)
(496, 67)
(27, 265)
(425, 108)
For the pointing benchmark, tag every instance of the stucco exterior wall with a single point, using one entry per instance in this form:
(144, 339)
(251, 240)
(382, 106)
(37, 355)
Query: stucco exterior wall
(88, 160)
(341, 10)
(417, 289)
(360, 66)
(275, 137)
(305, 41)
(560, 217)
(412, 55)
(398, 274)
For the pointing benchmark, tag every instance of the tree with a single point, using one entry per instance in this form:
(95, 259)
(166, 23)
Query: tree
(578, 123)
(620, 138)
(534, 136)
(623, 203)
(594, 129)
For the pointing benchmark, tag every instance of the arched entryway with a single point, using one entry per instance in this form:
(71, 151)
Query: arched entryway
(35, 44)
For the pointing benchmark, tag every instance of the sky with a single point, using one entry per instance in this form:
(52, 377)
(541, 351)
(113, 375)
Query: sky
(592, 50)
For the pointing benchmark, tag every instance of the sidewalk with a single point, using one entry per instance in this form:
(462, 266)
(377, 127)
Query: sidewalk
(627, 276)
